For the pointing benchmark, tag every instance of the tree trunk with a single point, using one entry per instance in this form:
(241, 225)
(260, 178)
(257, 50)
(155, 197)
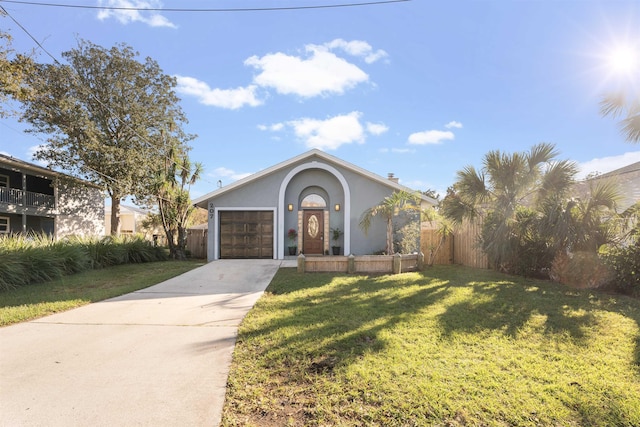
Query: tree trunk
(390, 236)
(115, 215)
(180, 248)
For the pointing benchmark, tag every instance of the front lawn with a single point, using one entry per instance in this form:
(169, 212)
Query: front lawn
(451, 346)
(40, 299)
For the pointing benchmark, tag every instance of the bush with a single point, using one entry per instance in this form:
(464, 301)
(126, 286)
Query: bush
(582, 270)
(625, 264)
(37, 258)
(410, 238)
(13, 272)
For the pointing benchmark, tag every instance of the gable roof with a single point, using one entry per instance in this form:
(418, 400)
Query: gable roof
(633, 167)
(127, 209)
(315, 153)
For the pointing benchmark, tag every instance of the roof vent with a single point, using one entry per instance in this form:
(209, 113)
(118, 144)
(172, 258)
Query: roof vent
(391, 177)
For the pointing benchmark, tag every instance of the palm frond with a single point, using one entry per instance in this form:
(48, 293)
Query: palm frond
(557, 179)
(613, 104)
(541, 153)
(631, 127)
(472, 186)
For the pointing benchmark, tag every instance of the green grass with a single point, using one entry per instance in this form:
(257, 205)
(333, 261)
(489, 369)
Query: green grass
(41, 299)
(451, 346)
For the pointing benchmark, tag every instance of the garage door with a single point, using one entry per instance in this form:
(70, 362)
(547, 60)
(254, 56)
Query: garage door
(246, 234)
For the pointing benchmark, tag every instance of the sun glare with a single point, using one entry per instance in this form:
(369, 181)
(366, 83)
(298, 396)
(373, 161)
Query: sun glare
(624, 60)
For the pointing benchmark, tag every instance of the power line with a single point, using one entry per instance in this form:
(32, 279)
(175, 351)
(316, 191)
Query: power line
(4, 11)
(215, 10)
(106, 107)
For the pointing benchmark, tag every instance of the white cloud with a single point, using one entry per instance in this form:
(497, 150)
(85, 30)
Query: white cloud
(376, 128)
(319, 72)
(128, 15)
(402, 150)
(357, 48)
(397, 150)
(331, 133)
(276, 127)
(223, 172)
(231, 99)
(607, 164)
(453, 124)
(430, 137)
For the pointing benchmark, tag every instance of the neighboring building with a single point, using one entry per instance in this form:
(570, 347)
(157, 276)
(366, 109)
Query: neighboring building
(312, 194)
(37, 199)
(627, 179)
(131, 219)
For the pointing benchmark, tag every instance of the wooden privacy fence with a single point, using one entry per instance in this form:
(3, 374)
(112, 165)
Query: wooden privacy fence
(197, 242)
(459, 247)
(429, 242)
(465, 245)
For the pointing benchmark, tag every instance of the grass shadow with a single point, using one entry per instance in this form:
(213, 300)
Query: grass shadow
(334, 324)
(509, 305)
(433, 347)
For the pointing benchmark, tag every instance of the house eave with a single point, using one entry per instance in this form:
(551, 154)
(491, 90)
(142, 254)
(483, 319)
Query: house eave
(202, 200)
(21, 165)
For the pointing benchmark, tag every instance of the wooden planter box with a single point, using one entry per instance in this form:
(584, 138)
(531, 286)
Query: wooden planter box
(361, 264)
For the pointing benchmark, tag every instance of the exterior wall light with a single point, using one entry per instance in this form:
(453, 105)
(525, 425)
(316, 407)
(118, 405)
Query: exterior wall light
(290, 207)
(337, 207)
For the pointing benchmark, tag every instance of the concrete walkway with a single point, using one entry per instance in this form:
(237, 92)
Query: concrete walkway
(156, 357)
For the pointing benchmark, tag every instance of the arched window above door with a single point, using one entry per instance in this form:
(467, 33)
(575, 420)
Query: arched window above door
(313, 201)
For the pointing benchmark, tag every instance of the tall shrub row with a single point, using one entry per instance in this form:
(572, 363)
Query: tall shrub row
(36, 258)
(624, 262)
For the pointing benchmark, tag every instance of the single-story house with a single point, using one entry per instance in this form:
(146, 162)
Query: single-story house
(131, 220)
(312, 194)
(40, 200)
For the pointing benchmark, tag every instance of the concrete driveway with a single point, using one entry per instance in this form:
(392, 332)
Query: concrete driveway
(156, 357)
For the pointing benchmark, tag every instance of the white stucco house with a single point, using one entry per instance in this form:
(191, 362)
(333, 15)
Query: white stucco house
(312, 194)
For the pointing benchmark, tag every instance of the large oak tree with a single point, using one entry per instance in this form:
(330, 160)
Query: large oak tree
(14, 67)
(103, 114)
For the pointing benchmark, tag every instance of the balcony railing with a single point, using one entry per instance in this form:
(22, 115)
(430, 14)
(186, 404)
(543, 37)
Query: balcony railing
(26, 198)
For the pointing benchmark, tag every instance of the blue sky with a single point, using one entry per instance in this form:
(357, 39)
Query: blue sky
(418, 88)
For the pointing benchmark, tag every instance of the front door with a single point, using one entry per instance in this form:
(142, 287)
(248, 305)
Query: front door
(313, 238)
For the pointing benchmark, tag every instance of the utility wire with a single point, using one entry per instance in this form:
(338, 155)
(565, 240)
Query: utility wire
(248, 9)
(4, 11)
(55, 60)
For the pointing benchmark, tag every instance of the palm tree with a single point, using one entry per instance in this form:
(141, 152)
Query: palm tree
(620, 103)
(499, 192)
(171, 189)
(388, 208)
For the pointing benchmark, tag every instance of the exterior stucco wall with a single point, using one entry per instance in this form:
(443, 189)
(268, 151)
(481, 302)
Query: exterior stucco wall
(324, 180)
(365, 194)
(81, 210)
(320, 182)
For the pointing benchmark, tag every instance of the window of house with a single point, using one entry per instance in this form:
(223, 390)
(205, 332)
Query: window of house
(313, 201)
(4, 225)
(4, 185)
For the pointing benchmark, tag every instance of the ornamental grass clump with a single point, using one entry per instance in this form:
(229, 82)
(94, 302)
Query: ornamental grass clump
(35, 258)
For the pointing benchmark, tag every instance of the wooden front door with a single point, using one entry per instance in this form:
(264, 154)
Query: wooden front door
(313, 238)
